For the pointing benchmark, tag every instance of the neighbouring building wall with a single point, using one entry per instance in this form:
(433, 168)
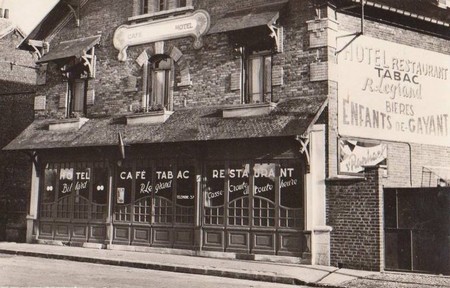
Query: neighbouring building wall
(355, 211)
(405, 160)
(17, 79)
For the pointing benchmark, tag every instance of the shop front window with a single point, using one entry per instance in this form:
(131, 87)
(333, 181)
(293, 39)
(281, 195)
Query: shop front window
(185, 198)
(238, 194)
(75, 190)
(143, 192)
(214, 194)
(291, 194)
(123, 193)
(264, 194)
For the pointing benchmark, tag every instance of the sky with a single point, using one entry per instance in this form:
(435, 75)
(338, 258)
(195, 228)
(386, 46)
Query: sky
(27, 13)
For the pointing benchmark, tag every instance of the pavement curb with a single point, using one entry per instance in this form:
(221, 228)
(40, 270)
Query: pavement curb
(172, 268)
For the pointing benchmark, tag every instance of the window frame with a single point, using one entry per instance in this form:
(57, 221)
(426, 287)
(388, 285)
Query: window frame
(265, 78)
(153, 70)
(72, 96)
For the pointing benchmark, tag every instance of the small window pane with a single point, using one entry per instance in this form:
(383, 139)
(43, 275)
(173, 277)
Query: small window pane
(100, 181)
(256, 73)
(49, 185)
(291, 185)
(78, 96)
(267, 78)
(214, 185)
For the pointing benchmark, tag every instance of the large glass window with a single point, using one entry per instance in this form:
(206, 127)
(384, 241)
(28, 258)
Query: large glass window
(264, 194)
(238, 194)
(214, 193)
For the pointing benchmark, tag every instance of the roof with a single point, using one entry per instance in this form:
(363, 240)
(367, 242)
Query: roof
(290, 117)
(70, 48)
(6, 27)
(49, 23)
(426, 10)
(248, 18)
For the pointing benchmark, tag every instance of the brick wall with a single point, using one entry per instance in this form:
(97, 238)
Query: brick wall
(210, 68)
(354, 210)
(16, 113)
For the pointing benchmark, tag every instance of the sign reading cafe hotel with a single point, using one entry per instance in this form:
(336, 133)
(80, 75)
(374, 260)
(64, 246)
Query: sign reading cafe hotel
(393, 92)
(195, 25)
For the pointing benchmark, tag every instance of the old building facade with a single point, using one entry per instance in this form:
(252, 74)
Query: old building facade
(17, 80)
(238, 127)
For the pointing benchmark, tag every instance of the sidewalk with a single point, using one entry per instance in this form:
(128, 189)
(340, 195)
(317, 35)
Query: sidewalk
(311, 275)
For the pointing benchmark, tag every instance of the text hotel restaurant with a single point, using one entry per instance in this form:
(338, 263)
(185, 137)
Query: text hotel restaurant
(310, 129)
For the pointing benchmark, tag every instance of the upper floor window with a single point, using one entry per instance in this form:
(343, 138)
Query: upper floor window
(77, 97)
(258, 79)
(159, 83)
(151, 6)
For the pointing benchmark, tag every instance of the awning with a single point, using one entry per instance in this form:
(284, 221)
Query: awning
(432, 175)
(248, 18)
(71, 48)
(290, 117)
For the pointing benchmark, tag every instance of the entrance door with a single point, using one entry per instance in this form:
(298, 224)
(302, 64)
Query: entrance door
(417, 229)
(73, 202)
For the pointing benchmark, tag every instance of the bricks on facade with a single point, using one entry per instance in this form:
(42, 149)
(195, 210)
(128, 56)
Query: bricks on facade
(17, 79)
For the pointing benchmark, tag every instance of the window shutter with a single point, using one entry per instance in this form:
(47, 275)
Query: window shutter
(39, 103)
(63, 100)
(235, 81)
(41, 77)
(277, 75)
(90, 97)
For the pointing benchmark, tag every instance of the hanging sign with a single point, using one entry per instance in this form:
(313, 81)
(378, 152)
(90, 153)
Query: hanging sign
(354, 155)
(194, 25)
(389, 91)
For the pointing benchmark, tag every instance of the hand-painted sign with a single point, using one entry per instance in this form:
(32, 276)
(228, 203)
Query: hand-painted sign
(389, 91)
(195, 25)
(354, 155)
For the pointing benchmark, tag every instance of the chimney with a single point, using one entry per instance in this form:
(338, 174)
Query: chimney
(1, 12)
(6, 13)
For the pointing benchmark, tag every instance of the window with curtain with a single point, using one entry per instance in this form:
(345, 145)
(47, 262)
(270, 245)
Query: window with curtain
(77, 97)
(259, 79)
(159, 83)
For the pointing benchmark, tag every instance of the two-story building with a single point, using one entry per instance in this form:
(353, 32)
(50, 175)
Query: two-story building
(290, 128)
(17, 91)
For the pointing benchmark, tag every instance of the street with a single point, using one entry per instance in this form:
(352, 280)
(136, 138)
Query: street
(39, 272)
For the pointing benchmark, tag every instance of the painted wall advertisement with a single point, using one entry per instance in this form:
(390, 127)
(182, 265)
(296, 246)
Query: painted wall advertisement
(393, 92)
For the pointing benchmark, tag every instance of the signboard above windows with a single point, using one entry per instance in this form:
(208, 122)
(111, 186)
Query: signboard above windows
(394, 92)
(195, 25)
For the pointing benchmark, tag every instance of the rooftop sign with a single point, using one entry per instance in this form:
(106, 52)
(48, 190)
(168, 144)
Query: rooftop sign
(393, 92)
(195, 25)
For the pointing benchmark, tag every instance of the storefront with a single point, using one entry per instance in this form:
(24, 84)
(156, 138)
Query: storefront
(199, 181)
(243, 196)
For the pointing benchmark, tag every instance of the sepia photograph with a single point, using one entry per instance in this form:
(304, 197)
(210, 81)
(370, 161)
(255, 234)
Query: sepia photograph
(225, 143)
